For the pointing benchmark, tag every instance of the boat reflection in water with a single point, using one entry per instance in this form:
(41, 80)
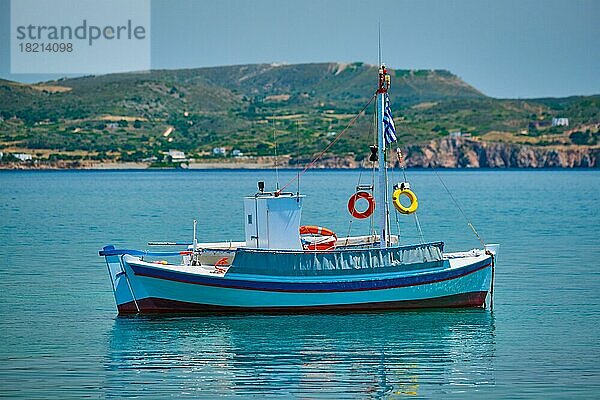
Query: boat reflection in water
(319, 355)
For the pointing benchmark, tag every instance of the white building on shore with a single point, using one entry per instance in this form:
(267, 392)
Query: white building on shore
(23, 156)
(220, 151)
(177, 155)
(560, 121)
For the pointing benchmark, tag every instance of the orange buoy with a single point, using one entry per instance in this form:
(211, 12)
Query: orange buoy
(352, 205)
(219, 265)
(330, 238)
(222, 261)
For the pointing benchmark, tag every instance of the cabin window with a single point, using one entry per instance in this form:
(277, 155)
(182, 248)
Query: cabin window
(249, 219)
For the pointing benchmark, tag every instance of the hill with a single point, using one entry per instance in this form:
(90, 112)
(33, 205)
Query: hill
(135, 116)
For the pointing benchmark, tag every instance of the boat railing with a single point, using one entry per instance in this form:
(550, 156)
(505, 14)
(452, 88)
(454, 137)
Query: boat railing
(300, 263)
(111, 251)
(307, 263)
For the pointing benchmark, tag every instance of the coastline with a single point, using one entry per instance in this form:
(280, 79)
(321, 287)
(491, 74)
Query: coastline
(448, 153)
(128, 166)
(60, 166)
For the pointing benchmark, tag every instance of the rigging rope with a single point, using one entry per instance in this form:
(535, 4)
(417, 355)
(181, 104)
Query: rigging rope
(371, 218)
(298, 157)
(351, 219)
(419, 227)
(276, 166)
(352, 121)
(396, 214)
(458, 205)
(374, 130)
(402, 165)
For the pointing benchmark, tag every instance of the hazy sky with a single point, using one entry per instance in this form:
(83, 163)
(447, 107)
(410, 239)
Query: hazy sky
(525, 48)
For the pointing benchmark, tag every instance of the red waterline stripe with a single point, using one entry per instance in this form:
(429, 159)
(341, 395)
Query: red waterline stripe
(155, 305)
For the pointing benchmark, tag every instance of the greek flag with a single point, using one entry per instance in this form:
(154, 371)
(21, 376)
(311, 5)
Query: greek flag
(389, 130)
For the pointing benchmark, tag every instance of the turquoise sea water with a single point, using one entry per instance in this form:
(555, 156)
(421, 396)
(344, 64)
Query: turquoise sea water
(61, 338)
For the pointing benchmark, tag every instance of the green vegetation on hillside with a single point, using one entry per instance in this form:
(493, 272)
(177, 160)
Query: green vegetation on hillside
(135, 116)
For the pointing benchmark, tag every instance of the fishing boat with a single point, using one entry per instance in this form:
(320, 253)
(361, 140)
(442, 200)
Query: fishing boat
(283, 266)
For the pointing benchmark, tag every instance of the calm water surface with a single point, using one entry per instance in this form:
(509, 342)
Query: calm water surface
(61, 337)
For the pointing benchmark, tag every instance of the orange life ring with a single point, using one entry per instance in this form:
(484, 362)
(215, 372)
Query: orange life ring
(328, 244)
(352, 203)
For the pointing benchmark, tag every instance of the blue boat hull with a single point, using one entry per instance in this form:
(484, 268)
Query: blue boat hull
(145, 287)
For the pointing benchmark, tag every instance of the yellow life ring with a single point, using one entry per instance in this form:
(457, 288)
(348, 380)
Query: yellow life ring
(414, 204)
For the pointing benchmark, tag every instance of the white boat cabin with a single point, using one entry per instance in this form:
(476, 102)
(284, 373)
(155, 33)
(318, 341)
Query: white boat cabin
(273, 221)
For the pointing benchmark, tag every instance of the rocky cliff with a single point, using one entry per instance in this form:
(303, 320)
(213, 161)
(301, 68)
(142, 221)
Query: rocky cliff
(467, 153)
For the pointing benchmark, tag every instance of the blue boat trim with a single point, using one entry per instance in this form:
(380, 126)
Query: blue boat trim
(342, 250)
(110, 250)
(302, 287)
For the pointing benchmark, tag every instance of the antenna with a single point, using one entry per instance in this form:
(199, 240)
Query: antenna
(379, 43)
(195, 239)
